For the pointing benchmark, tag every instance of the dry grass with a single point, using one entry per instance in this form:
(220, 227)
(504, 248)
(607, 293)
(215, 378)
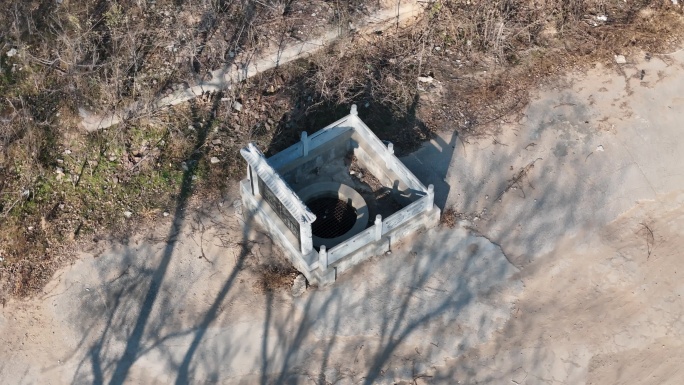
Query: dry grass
(483, 57)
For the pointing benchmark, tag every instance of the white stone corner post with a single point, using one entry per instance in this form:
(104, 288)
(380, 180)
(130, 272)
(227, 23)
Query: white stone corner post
(354, 111)
(305, 239)
(378, 227)
(323, 258)
(305, 143)
(430, 200)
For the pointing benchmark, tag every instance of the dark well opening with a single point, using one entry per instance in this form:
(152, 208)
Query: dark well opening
(334, 217)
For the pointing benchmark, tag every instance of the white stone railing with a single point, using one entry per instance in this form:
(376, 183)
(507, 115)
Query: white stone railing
(385, 153)
(309, 143)
(375, 232)
(400, 217)
(350, 245)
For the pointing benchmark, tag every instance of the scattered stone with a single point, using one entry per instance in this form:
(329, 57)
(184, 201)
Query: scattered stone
(11, 52)
(216, 142)
(299, 286)
(601, 17)
(237, 106)
(425, 79)
(271, 89)
(67, 152)
(166, 214)
(115, 179)
(111, 158)
(30, 228)
(59, 170)
(599, 148)
(184, 166)
(214, 160)
(519, 376)
(438, 49)
(620, 59)
(60, 161)
(127, 214)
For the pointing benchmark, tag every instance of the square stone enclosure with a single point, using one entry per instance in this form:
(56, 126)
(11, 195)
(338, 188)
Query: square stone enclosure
(335, 198)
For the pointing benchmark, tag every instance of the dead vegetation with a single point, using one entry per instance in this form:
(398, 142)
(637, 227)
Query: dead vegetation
(465, 65)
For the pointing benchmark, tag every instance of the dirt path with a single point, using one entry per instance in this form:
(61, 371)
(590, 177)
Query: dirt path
(567, 272)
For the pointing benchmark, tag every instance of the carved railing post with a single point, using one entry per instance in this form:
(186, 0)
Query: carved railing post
(323, 258)
(378, 227)
(430, 201)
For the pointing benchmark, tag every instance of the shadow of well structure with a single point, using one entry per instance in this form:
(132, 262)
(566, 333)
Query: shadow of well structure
(317, 160)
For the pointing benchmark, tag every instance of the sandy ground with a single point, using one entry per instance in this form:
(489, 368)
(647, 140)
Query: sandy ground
(566, 272)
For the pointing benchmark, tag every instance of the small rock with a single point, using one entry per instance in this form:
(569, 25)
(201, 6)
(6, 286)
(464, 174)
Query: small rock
(214, 160)
(299, 286)
(620, 59)
(184, 166)
(59, 171)
(11, 52)
(60, 161)
(111, 158)
(602, 18)
(166, 214)
(30, 228)
(599, 148)
(216, 142)
(115, 180)
(127, 214)
(438, 49)
(237, 106)
(271, 89)
(67, 152)
(425, 79)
